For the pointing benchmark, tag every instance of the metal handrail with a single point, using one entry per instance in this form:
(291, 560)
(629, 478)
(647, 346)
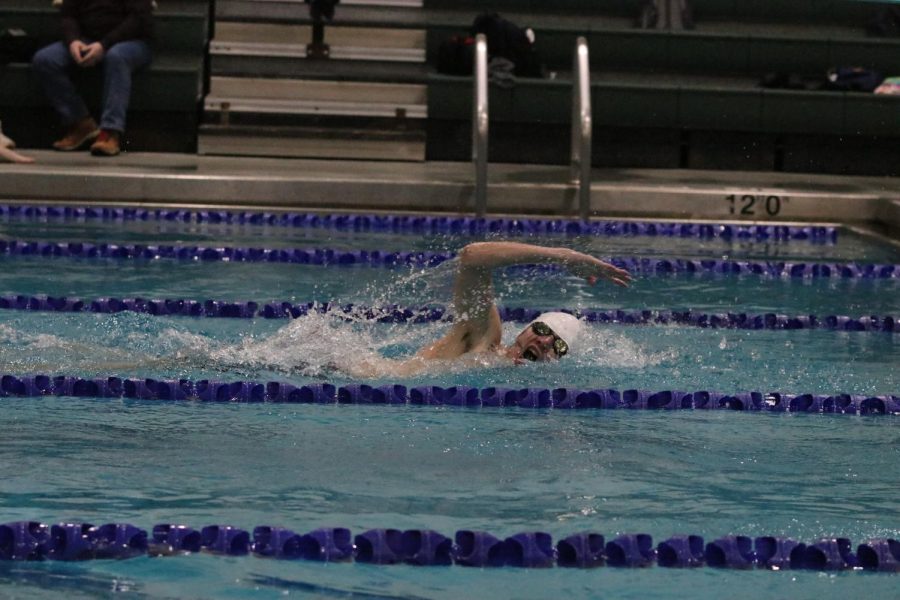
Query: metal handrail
(582, 126)
(480, 124)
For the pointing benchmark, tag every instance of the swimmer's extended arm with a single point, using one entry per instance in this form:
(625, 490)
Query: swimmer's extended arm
(474, 286)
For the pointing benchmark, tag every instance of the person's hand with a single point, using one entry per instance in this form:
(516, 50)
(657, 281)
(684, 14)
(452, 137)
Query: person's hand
(92, 54)
(77, 50)
(592, 269)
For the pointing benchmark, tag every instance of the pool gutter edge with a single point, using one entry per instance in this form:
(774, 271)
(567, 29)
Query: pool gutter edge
(267, 184)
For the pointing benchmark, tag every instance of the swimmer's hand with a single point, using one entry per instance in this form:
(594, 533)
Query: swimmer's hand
(593, 269)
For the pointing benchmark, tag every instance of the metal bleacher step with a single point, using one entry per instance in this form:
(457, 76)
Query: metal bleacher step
(313, 97)
(365, 98)
(355, 43)
(404, 13)
(280, 50)
(334, 142)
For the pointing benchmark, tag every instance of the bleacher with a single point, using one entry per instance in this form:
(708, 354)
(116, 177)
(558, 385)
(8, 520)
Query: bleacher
(662, 98)
(165, 103)
(687, 98)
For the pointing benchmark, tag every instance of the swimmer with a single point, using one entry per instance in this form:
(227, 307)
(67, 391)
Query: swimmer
(473, 340)
(475, 335)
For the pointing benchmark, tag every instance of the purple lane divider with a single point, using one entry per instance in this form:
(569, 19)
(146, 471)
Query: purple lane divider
(478, 549)
(276, 542)
(581, 550)
(397, 314)
(426, 395)
(426, 547)
(880, 405)
(169, 538)
(224, 539)
(518, 314)
(779, 553)
(829, 554)
(879, 555)
(118, 540)
(731, 552)
(23, 540)
(246, 391)
(325, 393)
(389, 394)
(534, 398)
(681, 551)
(138, 388)
(331, 257)
(648, 400)
(806, 403)
(532, 550)
(607, 399)
(317, 393)
(355, 394)
(418, 224)
(212, 391)
(276, 391)
(498, 396)
(633, 550)
(379, 546)
(842, 403)
(564, 398)
(329, 544)
(31, 540)
(462, 395)
(71, 541)
(706, 400)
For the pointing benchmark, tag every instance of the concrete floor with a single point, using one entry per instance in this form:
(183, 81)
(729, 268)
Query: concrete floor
(190, 180)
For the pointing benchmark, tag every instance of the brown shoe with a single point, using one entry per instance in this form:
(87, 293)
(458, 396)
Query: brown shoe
(83, 131)
(107, 143)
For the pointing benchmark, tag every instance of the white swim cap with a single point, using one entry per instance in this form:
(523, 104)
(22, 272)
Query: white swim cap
(567, 327)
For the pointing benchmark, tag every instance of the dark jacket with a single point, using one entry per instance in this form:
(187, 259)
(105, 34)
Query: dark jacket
(107, 21)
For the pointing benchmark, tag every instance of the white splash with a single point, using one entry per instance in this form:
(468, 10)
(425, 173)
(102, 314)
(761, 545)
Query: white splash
(312, 345)
(606, 348)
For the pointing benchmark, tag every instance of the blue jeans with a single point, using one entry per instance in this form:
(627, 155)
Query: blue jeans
(52, 64)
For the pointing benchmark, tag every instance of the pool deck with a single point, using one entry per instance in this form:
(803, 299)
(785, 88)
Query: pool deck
(870, 203)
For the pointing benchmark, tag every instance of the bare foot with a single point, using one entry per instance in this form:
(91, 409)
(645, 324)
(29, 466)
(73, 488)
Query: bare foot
(14, 157)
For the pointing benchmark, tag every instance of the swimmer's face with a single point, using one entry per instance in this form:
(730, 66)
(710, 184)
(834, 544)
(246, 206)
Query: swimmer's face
(538, 343)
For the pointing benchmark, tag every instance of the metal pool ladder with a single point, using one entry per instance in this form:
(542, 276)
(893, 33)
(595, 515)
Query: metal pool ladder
(480, 124)
(582, 126)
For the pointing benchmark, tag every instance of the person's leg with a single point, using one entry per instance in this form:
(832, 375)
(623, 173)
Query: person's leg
(120, 62)
(51, 64)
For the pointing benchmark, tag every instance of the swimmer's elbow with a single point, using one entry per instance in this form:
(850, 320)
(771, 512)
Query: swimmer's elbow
(476, 254)
(468, 253)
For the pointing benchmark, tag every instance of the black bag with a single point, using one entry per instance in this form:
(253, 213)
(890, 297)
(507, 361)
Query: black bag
(507, 40)
(853, 79)
(456, 55)
(16, 46)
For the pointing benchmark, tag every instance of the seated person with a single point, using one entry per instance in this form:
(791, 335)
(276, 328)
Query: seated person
(111, 33)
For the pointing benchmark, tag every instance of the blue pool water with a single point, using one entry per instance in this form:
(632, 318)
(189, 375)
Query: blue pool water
(501, 470)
